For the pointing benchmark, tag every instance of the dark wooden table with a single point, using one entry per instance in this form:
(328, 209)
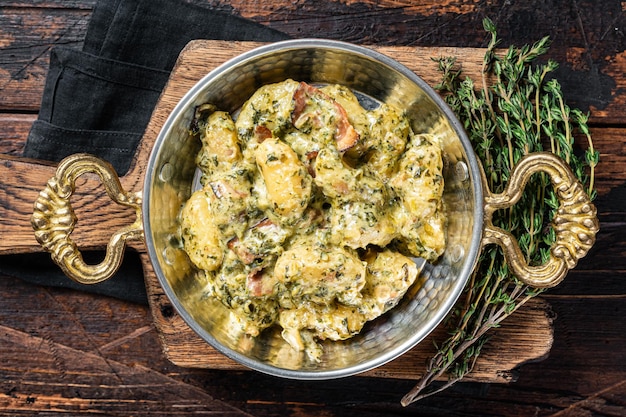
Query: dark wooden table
(65, 352)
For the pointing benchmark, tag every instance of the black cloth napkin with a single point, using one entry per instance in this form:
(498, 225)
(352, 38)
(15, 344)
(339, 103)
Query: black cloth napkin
(99, 100)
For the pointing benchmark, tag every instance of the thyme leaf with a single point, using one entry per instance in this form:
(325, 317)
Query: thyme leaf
(513, 110)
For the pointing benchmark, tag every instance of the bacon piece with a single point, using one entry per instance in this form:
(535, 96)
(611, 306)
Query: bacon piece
(310, 157)
(259, 283)
(244, 252)
(262, 132)
(346, 136)
(254, 282)
(311, 102)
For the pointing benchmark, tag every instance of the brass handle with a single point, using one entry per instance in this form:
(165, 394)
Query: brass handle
(53, 219)
(575, 222)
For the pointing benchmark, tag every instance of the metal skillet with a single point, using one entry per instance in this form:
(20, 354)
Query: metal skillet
(375, 77)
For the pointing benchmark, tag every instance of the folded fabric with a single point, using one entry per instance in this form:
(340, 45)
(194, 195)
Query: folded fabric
(152, 33)
(55, 143)
(85, 91)
(114, 83)
(99, 100)
(94, 105)
(37, 268)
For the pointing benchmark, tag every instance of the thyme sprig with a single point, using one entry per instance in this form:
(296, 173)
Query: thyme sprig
(514, 109)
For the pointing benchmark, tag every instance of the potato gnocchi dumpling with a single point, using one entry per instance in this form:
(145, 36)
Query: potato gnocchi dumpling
(311, 209)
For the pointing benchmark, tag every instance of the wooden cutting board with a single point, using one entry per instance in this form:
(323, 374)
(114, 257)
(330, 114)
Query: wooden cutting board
(524, 337)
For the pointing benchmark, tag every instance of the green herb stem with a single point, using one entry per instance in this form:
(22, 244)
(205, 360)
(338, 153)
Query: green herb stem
(517, 113)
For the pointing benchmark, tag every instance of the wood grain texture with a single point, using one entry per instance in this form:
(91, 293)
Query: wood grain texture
(25, 54)
(14, 128)
(585, 372)
(88, 373)
(64, 352)
(587, 37)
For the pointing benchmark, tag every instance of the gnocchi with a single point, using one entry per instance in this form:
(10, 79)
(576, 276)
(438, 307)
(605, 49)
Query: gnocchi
(310, 210)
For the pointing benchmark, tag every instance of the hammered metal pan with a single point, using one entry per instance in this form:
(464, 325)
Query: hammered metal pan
(169, 181)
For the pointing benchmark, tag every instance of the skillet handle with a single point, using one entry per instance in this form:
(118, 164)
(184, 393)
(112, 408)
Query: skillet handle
(575, 222)
(53, 219)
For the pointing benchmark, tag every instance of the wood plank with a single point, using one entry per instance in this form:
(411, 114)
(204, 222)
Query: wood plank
(14, 130)
(24, 54)
(584, 374)
(63, 351)
(102, 385)
(589, 48)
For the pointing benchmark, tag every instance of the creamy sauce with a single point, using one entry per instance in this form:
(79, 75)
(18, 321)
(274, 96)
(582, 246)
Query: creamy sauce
(310, 209)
